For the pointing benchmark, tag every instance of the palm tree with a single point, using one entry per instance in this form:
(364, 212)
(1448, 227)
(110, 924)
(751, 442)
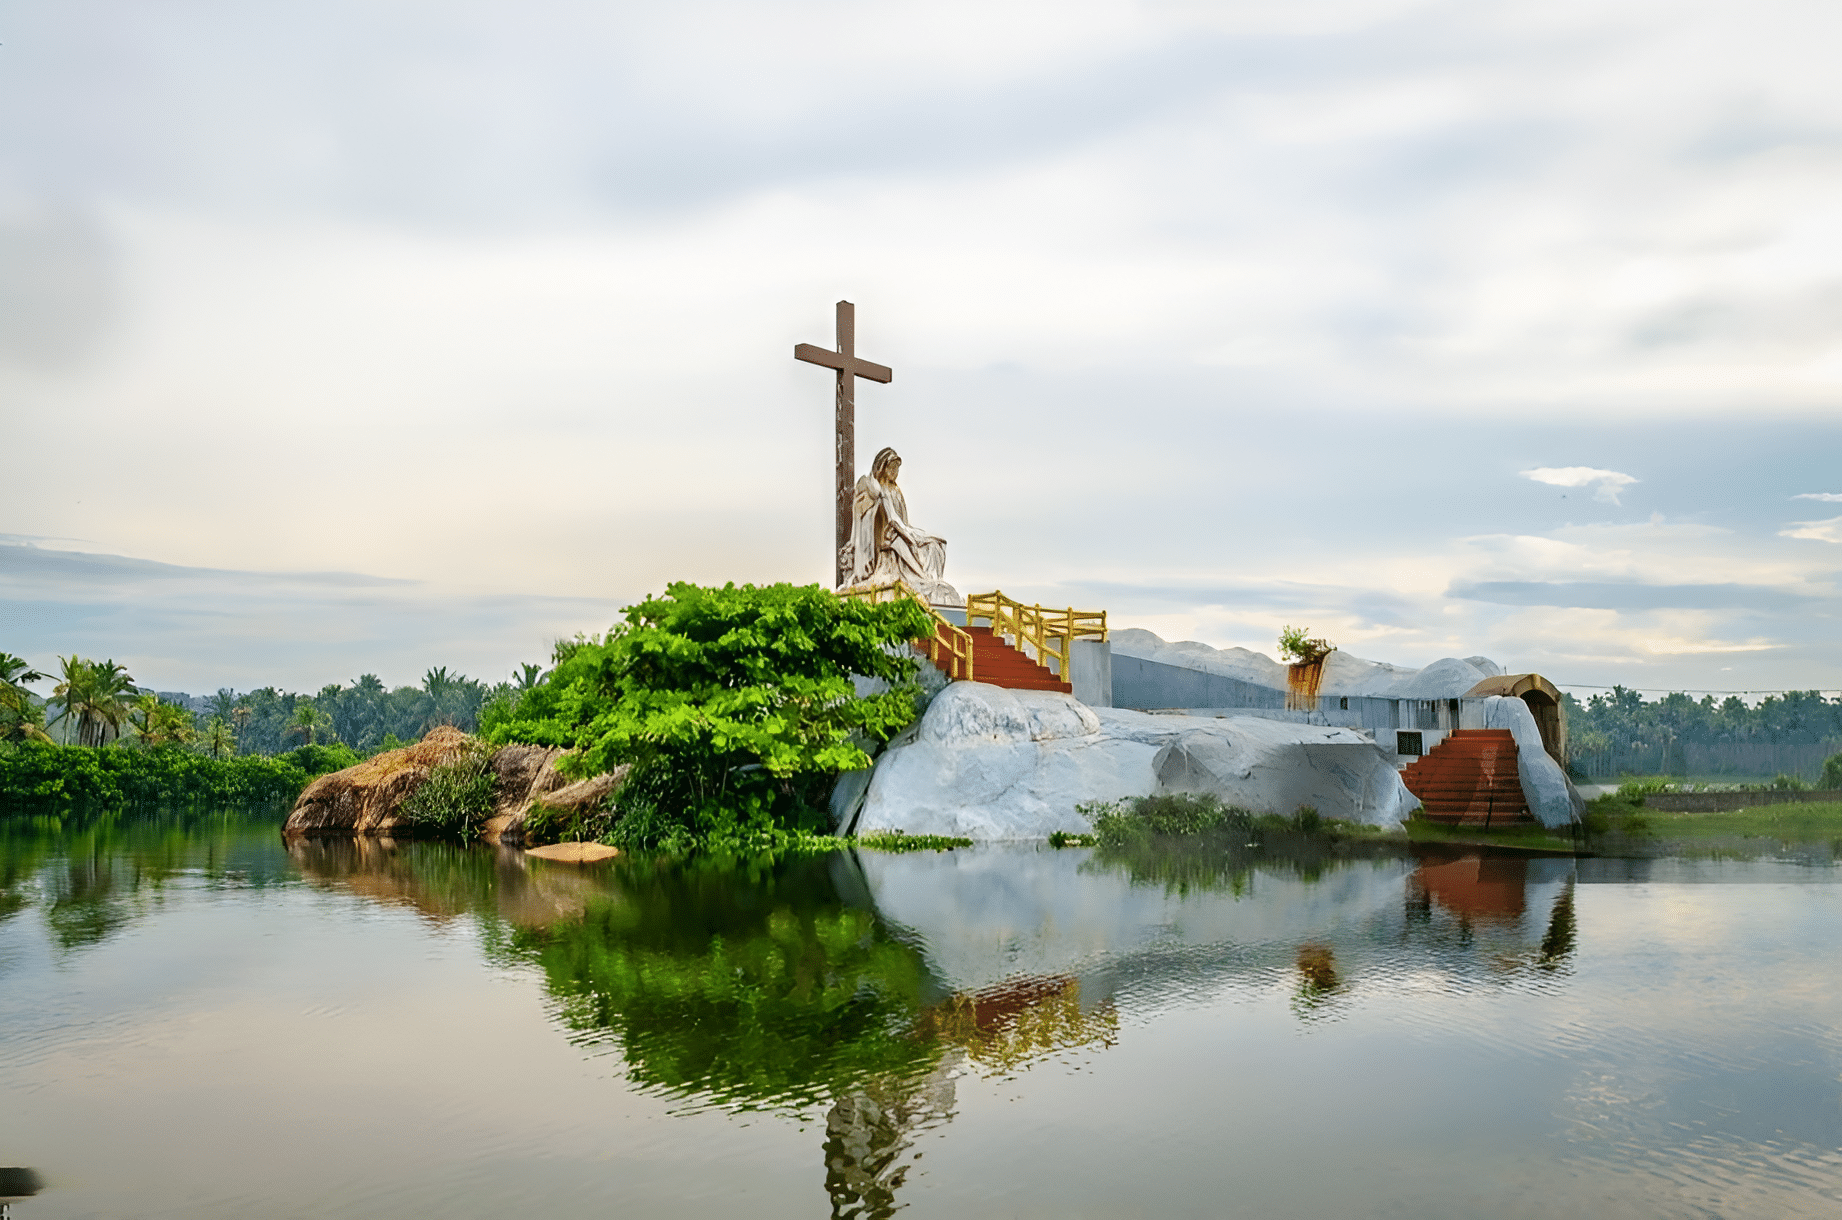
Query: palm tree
(218, 739)
(93, 692)
(223, 703)
(15, 673)
(528, 676)
(108, 705)
(308, 720)
(73, 690)
(21, 717)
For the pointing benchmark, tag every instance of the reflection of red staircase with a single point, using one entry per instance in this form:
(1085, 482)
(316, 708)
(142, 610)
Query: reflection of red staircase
(1470, 779)
(1000, 664)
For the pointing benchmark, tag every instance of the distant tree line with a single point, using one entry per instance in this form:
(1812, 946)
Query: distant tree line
(98, 703)
(1621, 732)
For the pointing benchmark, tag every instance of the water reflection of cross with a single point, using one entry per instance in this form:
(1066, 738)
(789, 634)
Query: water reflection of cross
(849, 367)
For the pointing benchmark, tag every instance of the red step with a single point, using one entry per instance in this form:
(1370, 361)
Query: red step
(1471, 778)
(1002, 664)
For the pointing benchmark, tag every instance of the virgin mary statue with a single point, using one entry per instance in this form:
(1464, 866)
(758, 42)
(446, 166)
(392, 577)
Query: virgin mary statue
(885, 548)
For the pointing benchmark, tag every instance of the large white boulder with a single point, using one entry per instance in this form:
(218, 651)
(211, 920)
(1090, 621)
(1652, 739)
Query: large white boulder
(993, 764)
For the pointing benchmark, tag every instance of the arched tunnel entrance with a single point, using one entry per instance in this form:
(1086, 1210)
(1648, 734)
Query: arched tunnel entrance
(1544, 702)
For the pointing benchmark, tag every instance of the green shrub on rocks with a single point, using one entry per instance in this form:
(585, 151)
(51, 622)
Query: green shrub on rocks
(457, 796)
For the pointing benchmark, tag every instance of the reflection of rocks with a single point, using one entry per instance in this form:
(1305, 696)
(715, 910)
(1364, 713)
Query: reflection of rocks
(986, 914)
(443, 880)
(366, 799)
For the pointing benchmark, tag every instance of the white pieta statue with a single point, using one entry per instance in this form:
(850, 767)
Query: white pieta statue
(884, 547)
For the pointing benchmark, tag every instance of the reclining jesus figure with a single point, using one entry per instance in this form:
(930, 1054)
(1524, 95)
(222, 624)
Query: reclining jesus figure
(885, 548)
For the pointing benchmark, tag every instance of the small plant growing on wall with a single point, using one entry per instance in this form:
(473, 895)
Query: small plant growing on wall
(1296, 644)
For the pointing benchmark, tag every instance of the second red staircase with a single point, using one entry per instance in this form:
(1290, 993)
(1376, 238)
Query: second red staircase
(1470, 779)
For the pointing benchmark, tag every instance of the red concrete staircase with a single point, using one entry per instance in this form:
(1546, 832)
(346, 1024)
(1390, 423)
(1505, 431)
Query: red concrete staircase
(1470, 779)
(999, 663)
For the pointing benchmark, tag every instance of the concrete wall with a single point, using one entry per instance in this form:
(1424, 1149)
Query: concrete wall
(1090, 672)
(1153, 685)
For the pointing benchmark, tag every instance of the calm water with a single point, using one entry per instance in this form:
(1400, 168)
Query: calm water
(197, 1020)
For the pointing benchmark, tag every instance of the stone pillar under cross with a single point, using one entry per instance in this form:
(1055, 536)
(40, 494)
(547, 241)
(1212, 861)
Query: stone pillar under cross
(849, 367)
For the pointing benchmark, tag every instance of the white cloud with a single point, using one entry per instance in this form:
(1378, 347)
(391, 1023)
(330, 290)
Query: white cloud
(1815, 531)
(1606, 484)
(1828, 497)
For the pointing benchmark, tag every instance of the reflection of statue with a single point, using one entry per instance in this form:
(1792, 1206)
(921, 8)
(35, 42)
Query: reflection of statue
(884, 547)
(869, 1132)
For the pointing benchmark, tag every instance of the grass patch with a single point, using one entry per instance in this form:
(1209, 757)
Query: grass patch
(1814, 821)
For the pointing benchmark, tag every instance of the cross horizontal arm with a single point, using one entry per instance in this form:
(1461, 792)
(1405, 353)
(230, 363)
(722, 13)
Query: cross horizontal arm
(848, 364)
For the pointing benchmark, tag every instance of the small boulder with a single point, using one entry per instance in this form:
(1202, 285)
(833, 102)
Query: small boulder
(574, 853)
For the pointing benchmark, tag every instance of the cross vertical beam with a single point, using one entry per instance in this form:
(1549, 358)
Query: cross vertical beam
(849, 367)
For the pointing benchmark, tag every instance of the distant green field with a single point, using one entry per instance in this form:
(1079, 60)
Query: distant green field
(1816, 820)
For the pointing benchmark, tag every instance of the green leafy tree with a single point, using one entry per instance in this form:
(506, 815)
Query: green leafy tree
(160, 724)
(735, 706)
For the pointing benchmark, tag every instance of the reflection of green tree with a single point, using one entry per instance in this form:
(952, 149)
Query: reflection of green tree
(89, 875)
(756, 993)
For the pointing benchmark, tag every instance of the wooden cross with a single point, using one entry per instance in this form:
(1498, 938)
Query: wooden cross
(845, 360)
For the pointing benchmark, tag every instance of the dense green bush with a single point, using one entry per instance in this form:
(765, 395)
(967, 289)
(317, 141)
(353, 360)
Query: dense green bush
(319, 760)
(1832, 773)
(37, 778)
(735, 707)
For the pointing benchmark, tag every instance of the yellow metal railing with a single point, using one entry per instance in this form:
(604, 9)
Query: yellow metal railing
(1043, 635)
(950, 647)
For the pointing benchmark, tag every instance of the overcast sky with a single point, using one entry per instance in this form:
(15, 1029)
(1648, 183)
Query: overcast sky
(344, 337)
